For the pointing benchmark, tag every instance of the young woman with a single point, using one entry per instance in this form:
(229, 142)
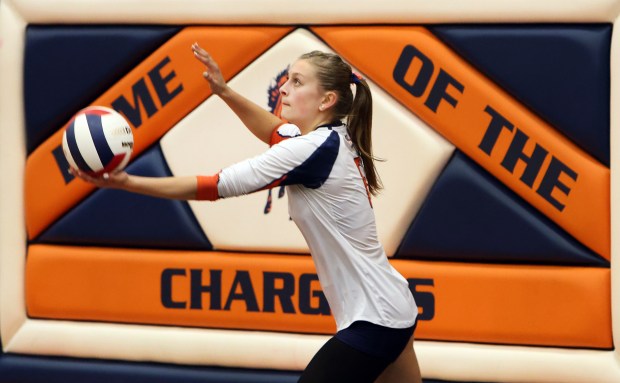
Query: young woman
(327, 167)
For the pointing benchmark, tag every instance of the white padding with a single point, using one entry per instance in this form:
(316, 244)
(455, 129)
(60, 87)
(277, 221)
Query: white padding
(615, 185)
(244, 349)
(415, 156)
(212, 137)
(477, 362)
(255, 349)
(315, 12)
(12, 165)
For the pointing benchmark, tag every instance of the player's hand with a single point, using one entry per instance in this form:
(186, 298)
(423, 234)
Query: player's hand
(212, 72)
(107, 180)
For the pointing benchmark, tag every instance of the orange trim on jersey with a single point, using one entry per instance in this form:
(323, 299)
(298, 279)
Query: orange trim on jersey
(501, 304)
(206, 188)
(276, 138)
(358, 163)
(562, 181)
(180, 88)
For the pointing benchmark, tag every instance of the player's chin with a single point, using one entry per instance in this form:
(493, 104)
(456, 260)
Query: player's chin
(286, 113)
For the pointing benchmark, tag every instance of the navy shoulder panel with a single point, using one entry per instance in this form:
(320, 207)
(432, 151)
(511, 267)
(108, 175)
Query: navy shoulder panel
(121, 219)
(561, 72)
(93, 59)
(315, 170)
(470, 216)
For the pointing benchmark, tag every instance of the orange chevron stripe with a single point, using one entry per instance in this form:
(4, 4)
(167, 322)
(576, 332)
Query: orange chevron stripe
(570, 187)
(506, 304)
(47, 196)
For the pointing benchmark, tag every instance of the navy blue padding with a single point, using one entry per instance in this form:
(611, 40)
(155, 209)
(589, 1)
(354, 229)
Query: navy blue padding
(561, 72)
(470, 216)
(121, 219)
(37, 369)
(33, 369)
(68, 67)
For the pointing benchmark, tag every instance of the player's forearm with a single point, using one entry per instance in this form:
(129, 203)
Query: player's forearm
(180, 188)
(258, 120)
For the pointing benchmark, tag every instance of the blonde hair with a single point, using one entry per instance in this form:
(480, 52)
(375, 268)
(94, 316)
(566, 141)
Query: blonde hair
(336, 75)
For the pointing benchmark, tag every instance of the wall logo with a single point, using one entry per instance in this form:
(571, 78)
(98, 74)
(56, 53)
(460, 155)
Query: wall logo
(275, 101)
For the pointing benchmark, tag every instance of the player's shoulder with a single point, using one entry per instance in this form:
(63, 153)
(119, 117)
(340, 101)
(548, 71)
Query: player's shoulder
(288, 130)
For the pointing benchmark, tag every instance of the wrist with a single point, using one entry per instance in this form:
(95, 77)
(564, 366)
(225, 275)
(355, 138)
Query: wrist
(226, 92)
(125, 182)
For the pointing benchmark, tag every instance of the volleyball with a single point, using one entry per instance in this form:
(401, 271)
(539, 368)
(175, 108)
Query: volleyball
(98, 140)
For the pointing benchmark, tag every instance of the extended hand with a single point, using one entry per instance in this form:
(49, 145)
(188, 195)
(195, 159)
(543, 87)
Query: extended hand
(212, 73)
(107, 180)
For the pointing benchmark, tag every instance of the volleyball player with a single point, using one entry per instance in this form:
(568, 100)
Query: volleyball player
(323, 155)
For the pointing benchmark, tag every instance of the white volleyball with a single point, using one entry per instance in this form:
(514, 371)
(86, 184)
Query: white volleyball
(98, 140)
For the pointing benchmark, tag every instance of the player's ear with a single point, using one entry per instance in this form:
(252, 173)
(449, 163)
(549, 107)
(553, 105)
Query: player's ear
(329, 100)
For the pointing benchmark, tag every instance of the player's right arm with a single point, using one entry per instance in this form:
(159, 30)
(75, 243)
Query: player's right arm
(180, 188)
(258, 120)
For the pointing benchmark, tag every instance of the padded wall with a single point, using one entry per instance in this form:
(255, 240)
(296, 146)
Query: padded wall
(496, 122)
(114, 218)
(547, 67)
(94, 58)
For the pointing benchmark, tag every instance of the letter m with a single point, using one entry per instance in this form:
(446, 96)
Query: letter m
(141, 96)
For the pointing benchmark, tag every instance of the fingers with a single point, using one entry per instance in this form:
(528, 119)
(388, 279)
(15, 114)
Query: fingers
(80, 174)
(202, 55)
(99, 181)
(212, 73)
(198, 49)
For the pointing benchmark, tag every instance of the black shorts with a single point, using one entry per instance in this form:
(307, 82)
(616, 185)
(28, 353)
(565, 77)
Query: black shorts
(357, 354)
(382, 342)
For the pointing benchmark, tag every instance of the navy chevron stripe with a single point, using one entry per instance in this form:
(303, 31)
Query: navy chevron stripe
(95, 127)
(74, 150)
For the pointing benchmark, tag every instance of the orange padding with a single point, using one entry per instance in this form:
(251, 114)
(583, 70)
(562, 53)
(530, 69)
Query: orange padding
(523, 305)
(175, 69)
(485, 122)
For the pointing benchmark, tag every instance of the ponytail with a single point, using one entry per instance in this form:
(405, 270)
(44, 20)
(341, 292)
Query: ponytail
(359, 123)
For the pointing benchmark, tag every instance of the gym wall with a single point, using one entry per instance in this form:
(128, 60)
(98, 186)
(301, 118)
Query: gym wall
(496, 122)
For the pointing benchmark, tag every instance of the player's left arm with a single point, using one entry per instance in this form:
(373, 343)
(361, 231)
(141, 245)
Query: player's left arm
(258, 120)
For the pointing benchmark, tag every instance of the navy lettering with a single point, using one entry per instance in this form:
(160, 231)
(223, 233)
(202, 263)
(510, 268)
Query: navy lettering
(497, 124)
(141, 96)
(159, 83)
(439, 91)
(422, 79)
(277, 286)
(533, 162)
(166, 289)
(284, 294)
(214, 289)
(62, 163)
(551, 181)
(246, 294)
(424, 299)
(306, 293)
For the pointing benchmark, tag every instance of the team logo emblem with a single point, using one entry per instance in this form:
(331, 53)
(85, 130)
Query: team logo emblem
(275, 99)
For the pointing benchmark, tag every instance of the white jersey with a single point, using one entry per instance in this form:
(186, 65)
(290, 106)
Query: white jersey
(329, 202)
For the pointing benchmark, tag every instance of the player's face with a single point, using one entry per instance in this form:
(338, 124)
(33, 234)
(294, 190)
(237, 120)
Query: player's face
(301, 95)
